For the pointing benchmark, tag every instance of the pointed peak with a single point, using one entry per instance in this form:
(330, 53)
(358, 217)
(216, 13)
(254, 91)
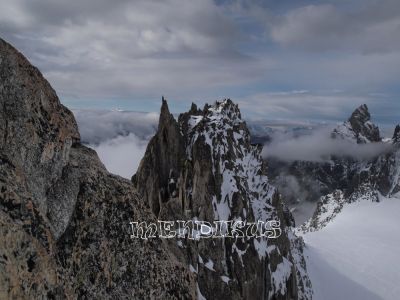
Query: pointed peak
(359, 127)
(206, 107)
(163, 100)
(165, 116)
(396, 134)
(225, 107)
(360, 114)
(194, 110)
(164, 106)
(363, 107)
(193, 107)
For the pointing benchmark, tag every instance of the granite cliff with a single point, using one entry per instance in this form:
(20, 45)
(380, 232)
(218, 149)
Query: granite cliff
(64, 220)
(202, 166)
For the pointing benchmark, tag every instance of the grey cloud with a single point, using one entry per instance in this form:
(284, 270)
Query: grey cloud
(121, 48)
(120, 138)
(351, 46)
(370, 27)
(122, 155)
(352, 73)
(190, 49)
(97, 126)
(302, 105)
(149, 78)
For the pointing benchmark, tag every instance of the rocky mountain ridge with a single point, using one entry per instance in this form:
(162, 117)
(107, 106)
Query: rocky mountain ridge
(316, 179)
(345, 180)
(374, 179)
(203, 167)
(64, 220)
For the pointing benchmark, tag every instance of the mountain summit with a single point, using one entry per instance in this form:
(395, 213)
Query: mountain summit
(358, 127)
(396, 135)
(204, 167)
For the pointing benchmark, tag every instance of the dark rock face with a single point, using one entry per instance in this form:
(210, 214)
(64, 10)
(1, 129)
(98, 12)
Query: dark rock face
(96, 253)
(37, 132)
(358, 127)
(300, 180)
(212, 172)
(167, 152)
(64, 220)
(396, 135)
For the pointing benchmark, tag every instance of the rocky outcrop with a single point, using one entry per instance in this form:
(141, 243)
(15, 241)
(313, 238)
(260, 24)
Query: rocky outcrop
(96, 253)
(358, 127)
(203, 167)
(167, 151)
(37, 132)
(327, 209)
(396, 135)
(64, 220)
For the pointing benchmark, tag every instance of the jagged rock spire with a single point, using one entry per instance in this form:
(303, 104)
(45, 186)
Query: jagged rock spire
(203, 167)
(165, 116)
(194, 110)
(167, 150)
(360, 121)
(360, 115)
(358, 127)
(396, 134)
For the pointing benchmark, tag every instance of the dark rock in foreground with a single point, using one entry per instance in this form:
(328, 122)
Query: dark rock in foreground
(64, 220)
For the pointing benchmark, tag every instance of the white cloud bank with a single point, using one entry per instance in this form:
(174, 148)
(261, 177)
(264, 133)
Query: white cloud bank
(319, 147)
(122, 155)
(97, 126)
(120, 138)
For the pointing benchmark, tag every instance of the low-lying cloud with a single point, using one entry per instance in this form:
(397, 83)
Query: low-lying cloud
(122, 155)
(320, 147)
(120, 138)
(97, 126)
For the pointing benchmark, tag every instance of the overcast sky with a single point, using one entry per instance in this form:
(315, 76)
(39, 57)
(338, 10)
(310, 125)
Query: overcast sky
(297, 60)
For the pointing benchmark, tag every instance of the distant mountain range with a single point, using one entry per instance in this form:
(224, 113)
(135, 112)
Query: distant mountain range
(364, 162)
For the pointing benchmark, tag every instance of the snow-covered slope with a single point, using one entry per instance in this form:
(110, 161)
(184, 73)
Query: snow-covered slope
(352, 241)
(356, 256)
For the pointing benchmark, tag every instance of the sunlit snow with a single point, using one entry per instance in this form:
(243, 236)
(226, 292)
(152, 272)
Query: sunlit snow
(356, 256)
